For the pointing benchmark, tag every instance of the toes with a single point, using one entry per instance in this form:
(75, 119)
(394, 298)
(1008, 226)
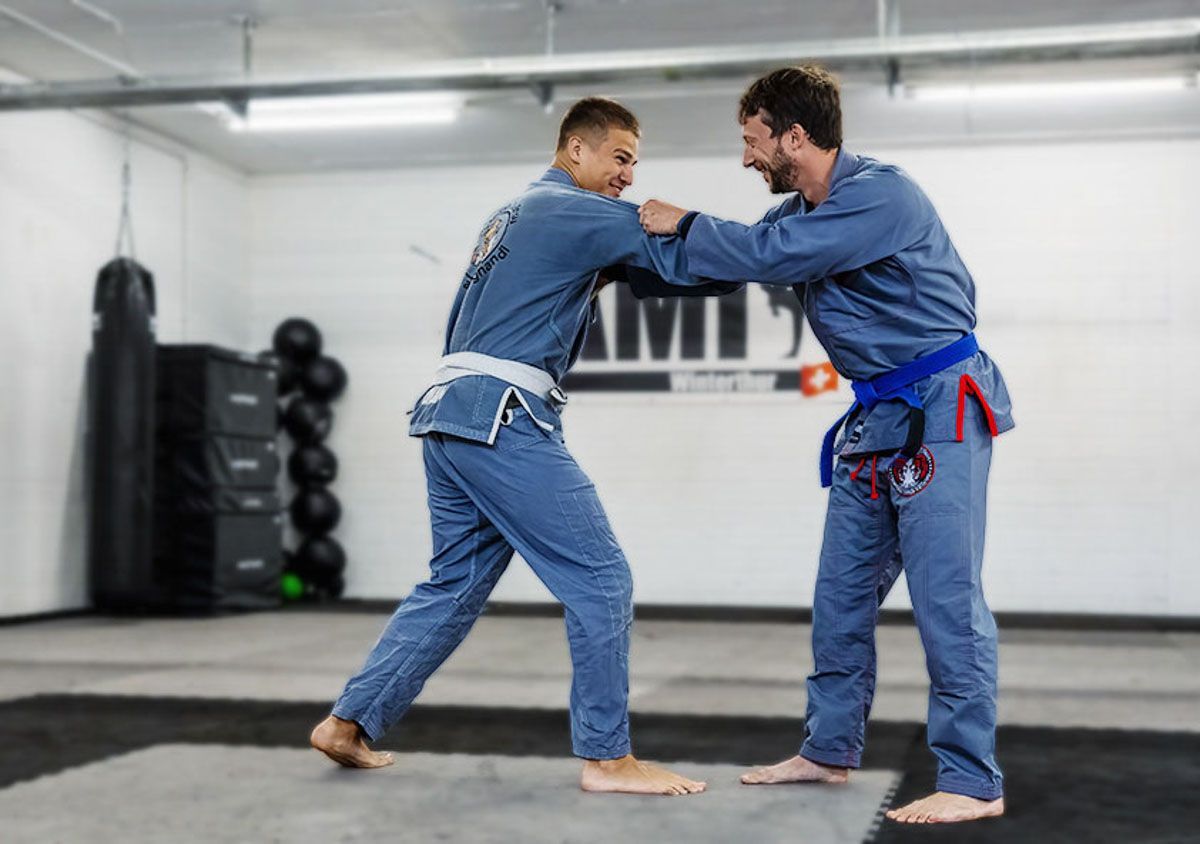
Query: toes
(909, 813)
(685, 785)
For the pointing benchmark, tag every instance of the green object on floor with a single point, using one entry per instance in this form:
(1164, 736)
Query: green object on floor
(293, 587)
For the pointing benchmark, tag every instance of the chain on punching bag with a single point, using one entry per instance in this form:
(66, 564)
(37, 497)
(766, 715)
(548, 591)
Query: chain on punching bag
(121, 426)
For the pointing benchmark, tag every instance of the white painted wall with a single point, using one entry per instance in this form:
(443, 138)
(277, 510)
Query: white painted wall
(59, 202)
(1087, 298)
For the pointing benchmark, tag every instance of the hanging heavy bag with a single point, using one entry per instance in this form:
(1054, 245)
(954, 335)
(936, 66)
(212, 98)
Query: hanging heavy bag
(121, 439)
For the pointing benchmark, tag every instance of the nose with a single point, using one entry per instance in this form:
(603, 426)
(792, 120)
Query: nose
(747, 158)
(627, 175)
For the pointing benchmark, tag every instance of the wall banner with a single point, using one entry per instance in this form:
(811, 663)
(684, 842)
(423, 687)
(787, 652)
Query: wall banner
(751, 341)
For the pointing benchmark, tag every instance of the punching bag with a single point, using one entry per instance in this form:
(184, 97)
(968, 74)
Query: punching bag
(121, 440)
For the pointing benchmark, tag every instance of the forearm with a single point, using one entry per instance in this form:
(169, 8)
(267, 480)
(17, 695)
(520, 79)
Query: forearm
(760, 253)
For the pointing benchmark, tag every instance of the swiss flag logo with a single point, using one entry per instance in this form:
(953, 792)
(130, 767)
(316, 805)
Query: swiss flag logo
(818, 378)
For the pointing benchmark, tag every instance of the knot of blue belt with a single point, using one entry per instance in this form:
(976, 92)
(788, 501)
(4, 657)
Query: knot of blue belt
(897, 385)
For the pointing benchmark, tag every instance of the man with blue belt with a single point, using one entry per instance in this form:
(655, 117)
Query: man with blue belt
(892, 303)
(499, 475)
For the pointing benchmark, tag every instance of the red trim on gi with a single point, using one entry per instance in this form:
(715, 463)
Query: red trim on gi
(967, 384)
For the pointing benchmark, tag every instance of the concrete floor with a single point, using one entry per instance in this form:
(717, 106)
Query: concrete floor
(212, 793)
(1048, 678)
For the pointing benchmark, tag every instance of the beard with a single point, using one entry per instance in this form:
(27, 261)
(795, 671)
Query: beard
(781, 172)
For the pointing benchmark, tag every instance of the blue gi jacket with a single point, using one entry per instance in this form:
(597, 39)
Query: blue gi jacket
(526, 296)
(881, 285)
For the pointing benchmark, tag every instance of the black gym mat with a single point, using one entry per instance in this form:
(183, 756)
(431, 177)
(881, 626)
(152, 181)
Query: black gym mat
(1064, 785)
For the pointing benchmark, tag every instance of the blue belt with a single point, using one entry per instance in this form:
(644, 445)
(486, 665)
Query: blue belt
(897, 384)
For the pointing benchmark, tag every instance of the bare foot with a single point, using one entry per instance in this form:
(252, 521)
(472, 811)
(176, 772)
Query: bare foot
(342, 741)
(631, 776)
(796, 769)
(943, 807)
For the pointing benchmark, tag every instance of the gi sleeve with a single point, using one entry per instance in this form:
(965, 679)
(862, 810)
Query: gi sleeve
(605, 231)
(863, 220)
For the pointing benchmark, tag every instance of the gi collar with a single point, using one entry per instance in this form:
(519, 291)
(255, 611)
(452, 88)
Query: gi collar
(557, 174)
(843, 165)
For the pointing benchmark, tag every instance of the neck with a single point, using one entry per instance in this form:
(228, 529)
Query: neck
(563, 163)
(815, 175)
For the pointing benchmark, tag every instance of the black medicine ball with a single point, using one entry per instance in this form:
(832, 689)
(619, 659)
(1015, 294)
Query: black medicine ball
(334, 587)
(323, 379)
(307, 421)
(321, 559)
(289, 376)
(312, 465)
(315, 512)
(297, 339)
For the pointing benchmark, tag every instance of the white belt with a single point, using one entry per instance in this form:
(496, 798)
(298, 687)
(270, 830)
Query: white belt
(530, 378)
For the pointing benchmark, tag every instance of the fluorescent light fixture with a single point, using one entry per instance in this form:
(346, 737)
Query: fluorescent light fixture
(1051, 90)
(349, 111)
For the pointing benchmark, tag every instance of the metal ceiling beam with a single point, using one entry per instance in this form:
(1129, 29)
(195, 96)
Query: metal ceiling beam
(69, 42)
(1176, 36)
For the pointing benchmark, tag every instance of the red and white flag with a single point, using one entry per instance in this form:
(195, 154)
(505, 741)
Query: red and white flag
(818, 378)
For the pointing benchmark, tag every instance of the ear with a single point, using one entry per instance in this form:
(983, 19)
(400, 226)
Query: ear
(795, 137)
(575, 149)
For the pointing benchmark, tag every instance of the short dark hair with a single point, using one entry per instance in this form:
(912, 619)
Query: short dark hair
(807, 95)
(595, 116)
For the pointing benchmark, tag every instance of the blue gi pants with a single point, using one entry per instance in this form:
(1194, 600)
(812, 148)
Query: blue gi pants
(526, 493)
(936, 533)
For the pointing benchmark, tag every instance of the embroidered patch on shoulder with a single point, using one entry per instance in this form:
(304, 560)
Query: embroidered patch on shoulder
(489, 249)
(911, 476)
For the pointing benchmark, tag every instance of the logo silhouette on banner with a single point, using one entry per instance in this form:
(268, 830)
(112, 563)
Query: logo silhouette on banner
(751, 341)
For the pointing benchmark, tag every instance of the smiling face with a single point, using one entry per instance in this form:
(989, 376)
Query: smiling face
(605, 164)
(768, 155)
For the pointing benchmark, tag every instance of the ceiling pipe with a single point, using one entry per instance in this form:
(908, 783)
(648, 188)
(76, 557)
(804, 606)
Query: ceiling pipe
(71, 43)
(100, 14)
(1176, 36)
(887, 19)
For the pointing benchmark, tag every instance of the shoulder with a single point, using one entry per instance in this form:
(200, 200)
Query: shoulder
(570, 199)
(875, 179)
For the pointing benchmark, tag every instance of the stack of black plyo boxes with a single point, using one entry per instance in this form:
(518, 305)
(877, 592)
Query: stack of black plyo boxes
(217, 522)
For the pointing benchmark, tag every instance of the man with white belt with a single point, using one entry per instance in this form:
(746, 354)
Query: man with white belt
(500, 478)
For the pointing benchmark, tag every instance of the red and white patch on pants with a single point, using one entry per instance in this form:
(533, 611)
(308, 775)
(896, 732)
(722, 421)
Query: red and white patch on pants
(910, 476)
